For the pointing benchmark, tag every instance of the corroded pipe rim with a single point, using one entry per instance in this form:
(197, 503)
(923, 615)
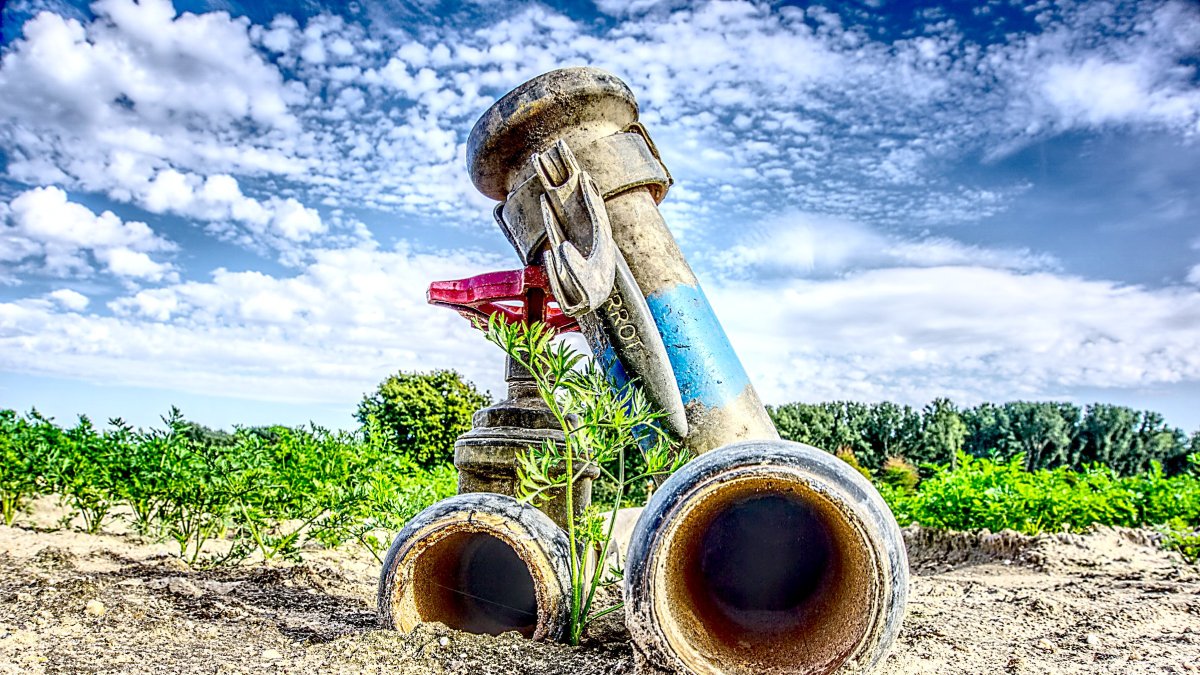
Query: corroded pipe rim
(674, 641)
(533, 116)
(540, 544)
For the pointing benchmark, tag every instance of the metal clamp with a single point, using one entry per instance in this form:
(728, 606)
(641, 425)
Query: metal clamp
(616, 164)
(570, 200)
(560, 211)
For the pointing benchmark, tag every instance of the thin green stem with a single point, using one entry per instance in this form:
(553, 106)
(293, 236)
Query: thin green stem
(605, 611)
(612, 521)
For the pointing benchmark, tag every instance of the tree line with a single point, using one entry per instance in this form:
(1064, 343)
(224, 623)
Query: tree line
(421, 414)
(1047, 434)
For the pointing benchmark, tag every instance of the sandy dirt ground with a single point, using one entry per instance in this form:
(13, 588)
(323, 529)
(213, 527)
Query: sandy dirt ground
(1106, 602)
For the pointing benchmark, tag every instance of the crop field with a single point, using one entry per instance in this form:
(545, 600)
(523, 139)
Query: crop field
(220, 498)
(136, 550)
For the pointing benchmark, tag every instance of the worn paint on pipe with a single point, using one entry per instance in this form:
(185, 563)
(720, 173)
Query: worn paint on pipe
(706, 368)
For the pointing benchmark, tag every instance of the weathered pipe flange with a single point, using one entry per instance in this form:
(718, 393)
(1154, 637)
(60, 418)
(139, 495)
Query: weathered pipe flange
(486, 456)
(481, 563)
(577, 105)
(765, 557)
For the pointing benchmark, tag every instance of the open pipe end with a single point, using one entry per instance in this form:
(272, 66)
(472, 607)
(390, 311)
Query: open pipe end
(480, 563)
(767, 558)
(575, 104)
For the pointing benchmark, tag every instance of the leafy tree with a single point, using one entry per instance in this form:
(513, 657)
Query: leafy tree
(989, 431)
(804, 423)
(1043, 432)
(421, 414)
(1155, 442)
(943, 433)
(1105, 434)
(891, 430)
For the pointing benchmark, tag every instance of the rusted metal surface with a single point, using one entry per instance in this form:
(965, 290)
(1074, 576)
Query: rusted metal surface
(766, 557)
(483, 563)
(762, 556)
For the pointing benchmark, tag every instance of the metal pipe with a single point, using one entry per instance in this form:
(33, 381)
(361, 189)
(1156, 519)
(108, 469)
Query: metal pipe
(596, 115)
(765, 557)
(481, 563)
(760, 555)
(486, 456)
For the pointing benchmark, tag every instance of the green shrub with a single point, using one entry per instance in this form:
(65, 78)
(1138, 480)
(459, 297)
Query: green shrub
(421, 414)
(23, 466)
(982, 493)
(846, 454)
(900, 474)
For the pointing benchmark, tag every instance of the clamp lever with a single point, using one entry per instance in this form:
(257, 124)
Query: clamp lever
(570, 198)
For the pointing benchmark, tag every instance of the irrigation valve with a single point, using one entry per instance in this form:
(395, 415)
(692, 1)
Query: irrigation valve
(486, 455)
(758, 556)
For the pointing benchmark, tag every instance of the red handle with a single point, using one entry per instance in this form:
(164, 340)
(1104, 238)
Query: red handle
(518, 295)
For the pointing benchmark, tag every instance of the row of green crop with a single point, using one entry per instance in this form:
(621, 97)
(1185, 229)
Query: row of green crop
(981, 493)
(272, 490)
(266, 490)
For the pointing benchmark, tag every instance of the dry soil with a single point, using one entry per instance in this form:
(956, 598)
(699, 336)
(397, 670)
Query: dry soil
(1106, 602)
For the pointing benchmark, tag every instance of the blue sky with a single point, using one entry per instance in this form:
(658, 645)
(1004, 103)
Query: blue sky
(237, 207)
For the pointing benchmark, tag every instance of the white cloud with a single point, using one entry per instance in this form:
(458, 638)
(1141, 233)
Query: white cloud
(326, 334)
(141, 104)
(902, 333)
(275, 223)
(808, 245)
(840, 139)
(826, 116)
(910, 334)
(1066, 77)
(139, 58)
(59, 234)
(69, 299)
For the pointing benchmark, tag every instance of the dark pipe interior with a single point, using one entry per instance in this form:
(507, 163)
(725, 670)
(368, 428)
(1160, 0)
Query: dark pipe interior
(762, 558)
(475, 582)
(769, 575)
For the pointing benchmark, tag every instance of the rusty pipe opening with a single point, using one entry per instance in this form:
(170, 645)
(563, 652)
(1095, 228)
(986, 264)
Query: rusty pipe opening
(766, 572)
(475, 582)
(765, 557)
(480, 563)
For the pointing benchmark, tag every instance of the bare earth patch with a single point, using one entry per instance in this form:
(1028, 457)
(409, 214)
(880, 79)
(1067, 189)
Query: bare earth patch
(1106, 602)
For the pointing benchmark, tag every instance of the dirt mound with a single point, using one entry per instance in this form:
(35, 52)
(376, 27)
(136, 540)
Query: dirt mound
(1112, 548)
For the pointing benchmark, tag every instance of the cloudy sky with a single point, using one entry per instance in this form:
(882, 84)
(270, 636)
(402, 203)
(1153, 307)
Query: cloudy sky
(236, 207)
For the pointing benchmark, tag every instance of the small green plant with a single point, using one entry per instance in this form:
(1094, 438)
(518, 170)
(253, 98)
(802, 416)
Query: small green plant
(1186, 543)
(82, 470)
(602, 426)
(24, 444)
